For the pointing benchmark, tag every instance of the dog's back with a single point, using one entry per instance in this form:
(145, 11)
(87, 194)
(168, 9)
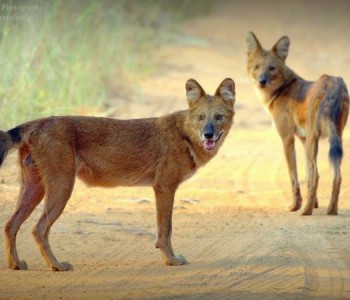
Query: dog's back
(102, 151)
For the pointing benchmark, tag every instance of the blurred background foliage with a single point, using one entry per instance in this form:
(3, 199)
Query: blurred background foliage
(73, 57)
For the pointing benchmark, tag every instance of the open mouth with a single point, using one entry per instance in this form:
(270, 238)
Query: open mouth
(209, 144)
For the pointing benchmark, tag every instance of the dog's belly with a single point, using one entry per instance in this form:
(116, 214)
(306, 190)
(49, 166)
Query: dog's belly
(112, 177)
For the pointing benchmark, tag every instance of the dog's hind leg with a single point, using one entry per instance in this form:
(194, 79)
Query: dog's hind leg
(303, 141)
(59, 190)
(59, 169)
(333, 204)
(336, 153)
(58, 193)
(32, 192)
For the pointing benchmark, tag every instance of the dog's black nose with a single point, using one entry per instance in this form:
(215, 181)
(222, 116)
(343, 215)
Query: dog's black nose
(208, 135)
(209, 131)
(262, 80)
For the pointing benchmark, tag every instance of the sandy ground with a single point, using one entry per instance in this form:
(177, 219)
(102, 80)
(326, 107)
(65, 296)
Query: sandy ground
(230, 220)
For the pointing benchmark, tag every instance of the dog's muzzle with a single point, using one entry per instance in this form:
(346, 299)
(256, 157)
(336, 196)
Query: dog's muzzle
(262, 81)
(210, 143)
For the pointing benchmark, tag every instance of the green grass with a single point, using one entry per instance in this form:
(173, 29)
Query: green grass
(72, 57)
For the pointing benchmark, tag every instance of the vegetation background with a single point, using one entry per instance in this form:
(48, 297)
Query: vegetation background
(76, 57)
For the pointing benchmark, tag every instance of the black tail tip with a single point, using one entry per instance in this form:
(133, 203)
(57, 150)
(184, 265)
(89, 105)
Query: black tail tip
(336, 154)
(15, 134)
(8, 140)
(3, 151)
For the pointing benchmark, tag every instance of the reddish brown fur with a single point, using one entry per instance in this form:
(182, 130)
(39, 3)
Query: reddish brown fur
(305, 109)
(159, 152)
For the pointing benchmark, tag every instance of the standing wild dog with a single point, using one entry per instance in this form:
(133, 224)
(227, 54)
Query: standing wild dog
(159, 152)
(308, 110)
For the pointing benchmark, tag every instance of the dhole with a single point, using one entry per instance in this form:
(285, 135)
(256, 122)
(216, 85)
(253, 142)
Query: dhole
(304, 109)
(158, 152)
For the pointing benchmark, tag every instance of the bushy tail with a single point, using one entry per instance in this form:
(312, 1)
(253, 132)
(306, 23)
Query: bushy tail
(331, 112)
(8, 140)
(331, 109)
(336, 147)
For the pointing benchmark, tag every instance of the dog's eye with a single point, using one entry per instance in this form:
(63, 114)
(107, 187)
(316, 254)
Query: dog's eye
(219, 117)
(256, 67)
(272, 68)
(200, 117)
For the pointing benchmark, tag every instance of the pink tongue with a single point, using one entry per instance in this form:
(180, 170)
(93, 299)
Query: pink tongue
(209, 144)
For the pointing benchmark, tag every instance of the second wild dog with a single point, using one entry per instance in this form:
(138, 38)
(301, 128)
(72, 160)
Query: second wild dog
(308, 110)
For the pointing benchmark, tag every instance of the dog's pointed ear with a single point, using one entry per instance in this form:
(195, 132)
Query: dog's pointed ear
(253, 45)
(226, 91)
(193, 91)
(281, 48)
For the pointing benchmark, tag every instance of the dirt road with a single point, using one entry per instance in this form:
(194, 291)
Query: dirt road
(230, 220)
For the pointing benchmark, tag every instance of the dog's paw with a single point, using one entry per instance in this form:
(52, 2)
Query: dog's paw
(22, 265)
(306, 212)
(177, 260)
(296, 204)
(293, 207)
(63, 266)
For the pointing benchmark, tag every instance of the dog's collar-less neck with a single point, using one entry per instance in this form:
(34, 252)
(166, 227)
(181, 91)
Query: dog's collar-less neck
(190, 151)
(279, 91)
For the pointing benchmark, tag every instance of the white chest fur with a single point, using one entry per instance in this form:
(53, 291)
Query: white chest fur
(263, 98)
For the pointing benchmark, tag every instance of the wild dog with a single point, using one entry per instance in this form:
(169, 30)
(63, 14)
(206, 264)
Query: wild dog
(159, 152)
(304, 109)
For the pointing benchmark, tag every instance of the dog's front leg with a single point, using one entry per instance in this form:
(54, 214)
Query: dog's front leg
(311, 149)
(289, 151)
(164, 203)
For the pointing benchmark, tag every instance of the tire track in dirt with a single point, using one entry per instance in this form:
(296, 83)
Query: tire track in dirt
(324, 270)
(311, 261)
(263, 274)
(311, 278)
(228, 278)
(306, 261)
(106, 246)
(244, 175)
(308, 281)
(311, 282)
(326, 266)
